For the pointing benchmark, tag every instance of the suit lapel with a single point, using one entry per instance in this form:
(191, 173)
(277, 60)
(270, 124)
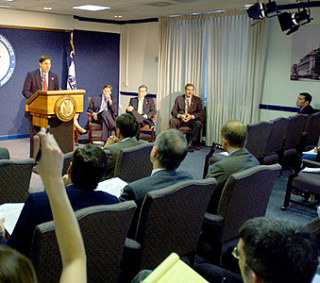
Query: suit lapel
(145, 105)
(38, 80)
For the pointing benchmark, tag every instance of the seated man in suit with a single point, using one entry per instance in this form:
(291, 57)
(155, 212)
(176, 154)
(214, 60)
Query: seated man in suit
(168, 152)
(187, 112)
(233, 135)
(303, 102)
(142, 107)
(103, 111)
(88, 167)
(269, 250)
(127, 128)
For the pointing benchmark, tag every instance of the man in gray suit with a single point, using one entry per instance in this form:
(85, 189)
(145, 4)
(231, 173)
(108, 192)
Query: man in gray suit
(233, 135)
(126, 130)
(168, 152)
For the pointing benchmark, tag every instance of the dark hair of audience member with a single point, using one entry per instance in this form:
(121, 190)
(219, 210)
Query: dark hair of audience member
(235, 132)
(279, 252)
(89, 164)
(128, 125)
(44, 58)
(172, 148)
(15, 267)
(307, 96)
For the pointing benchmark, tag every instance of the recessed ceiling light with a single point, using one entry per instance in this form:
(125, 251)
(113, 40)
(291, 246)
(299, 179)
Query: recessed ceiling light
(47, 8)
(91, 8)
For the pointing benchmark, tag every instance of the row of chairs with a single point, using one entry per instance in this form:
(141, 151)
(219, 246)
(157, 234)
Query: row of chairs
(170, 220)
(281, 140)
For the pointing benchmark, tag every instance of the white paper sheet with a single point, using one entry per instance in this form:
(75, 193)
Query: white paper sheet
(113, 186)
(11, 213)
(311, 170)
(310, 152)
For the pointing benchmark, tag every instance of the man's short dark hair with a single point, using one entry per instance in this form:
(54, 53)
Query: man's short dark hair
(187, 85)
(108, 86)
(128, 125)
(279, 252)
(143, 86)
(172, 148)
(44, 58)
(89, 164)
(307, 96)
(235, 132)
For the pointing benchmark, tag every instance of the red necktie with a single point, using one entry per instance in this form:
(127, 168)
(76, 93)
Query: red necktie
(45, 86)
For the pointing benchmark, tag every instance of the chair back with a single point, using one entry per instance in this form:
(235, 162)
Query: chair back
(15, 179)
(312, 131)
(277, 134)
(170, 220)
(134, 163)
(294, 131)
(257, 136)
(4, 153)
(104, 229)
(67, 157)
(245, 195)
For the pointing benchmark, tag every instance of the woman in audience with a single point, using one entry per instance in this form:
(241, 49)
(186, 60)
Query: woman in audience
(14, 267)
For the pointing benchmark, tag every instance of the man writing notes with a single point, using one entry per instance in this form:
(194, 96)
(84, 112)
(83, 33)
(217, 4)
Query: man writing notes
(187, 112)
(41, 79)
(142, 107)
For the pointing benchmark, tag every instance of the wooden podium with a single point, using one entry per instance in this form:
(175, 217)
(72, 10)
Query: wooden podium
(57, 109)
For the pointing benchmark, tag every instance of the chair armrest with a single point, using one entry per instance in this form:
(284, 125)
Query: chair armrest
(131, 254)
(132, 244)
(213, 219)
(310, 163)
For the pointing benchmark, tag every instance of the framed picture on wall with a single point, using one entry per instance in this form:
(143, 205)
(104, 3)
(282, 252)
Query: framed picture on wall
(305, 63)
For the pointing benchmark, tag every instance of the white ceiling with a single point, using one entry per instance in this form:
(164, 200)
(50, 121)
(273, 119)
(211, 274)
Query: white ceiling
(130, 9)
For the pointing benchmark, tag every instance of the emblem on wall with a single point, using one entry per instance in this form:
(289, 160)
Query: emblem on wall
(7, 60)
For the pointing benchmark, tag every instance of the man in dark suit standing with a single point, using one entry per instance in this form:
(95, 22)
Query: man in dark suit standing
(103, 111)
(233, 135)
(187, 111)
(88, 167)
(142, 107)
(303, 102)
(41, 79)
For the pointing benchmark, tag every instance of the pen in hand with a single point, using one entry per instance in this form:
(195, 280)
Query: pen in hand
(39, 151)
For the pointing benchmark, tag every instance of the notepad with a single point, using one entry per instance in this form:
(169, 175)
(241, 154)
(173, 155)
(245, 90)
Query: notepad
(174, 270)
(11, 213)
(113, 186)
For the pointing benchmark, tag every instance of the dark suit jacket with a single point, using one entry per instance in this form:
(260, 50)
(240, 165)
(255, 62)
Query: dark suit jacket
(32, 83)
(37, 210)
(148, 107)
(306, 110)
(138, 189)
(194, 109)
(221, 171)
(114, 151)
(95, 105)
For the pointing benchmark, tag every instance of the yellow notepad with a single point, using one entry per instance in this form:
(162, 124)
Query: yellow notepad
(174, 270)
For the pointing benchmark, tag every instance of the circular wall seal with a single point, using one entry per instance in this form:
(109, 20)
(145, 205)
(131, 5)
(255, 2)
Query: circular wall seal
(65, 108)
(7, 60)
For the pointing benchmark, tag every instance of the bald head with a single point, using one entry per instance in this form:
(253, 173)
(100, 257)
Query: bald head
(234, 132)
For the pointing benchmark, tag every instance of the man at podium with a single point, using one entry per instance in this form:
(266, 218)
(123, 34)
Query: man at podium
(41, 79)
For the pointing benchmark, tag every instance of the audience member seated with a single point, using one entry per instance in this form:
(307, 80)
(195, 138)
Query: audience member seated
(315, 156)
(15, 267)
(233, 136)
(142, 107)
(303, 102)
(88, 167)
(269, 250)
(187, 112)
(103, 111)
(168, 152)
(127, 128)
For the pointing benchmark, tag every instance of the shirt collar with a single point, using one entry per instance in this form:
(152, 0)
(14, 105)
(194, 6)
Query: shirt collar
(234, 151)
(154, 171)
